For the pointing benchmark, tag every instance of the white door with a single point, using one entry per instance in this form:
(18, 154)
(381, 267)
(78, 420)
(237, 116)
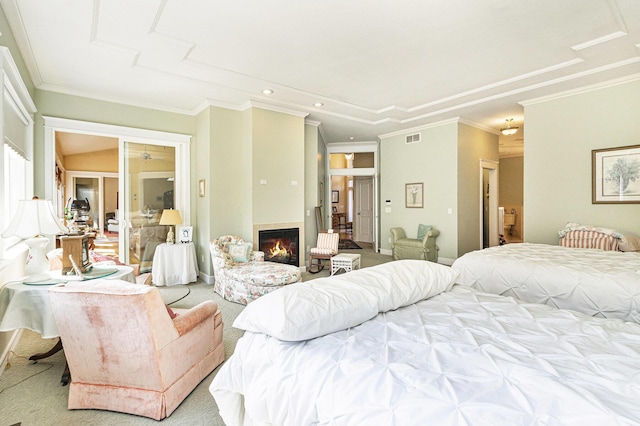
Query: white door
(364, 209)
(148, 184)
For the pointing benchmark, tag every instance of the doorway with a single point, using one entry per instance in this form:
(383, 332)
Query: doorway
(489, 233)
(352, 171)
(133, 157)
(364, 209)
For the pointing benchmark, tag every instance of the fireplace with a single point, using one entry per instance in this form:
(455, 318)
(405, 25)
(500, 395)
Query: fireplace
(280, 245)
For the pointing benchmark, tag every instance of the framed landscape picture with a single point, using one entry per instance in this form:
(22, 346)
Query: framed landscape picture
(615, 175)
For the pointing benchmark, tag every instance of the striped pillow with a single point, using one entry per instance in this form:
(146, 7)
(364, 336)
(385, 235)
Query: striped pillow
(589, 239)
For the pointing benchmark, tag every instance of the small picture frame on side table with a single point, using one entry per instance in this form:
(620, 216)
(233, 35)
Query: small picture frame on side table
(185, 234)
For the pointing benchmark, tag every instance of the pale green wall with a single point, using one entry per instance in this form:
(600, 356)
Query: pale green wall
(278, 158)
(229, 183)
(560, 135)
(510, 180)
(473, 145)
(92, 110)
(432, 161)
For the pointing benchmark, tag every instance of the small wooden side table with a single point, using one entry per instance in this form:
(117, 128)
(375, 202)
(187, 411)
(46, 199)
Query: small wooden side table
(346, 261)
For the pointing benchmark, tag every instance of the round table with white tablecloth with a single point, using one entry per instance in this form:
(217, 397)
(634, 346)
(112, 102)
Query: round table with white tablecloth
(28, 305)
(174, 264)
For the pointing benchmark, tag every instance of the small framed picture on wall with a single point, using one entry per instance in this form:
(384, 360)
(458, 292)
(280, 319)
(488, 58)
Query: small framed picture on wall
(414, 193)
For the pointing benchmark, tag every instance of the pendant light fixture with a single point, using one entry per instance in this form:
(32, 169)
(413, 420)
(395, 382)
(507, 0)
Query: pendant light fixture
(509, 127)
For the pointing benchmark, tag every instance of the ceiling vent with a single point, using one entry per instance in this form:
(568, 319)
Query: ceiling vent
(412, 138)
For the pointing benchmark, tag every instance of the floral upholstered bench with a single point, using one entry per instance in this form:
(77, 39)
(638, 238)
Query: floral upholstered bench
(242, 275)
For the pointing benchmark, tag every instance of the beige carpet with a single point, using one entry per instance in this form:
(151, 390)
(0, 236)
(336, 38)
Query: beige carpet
(32, 394)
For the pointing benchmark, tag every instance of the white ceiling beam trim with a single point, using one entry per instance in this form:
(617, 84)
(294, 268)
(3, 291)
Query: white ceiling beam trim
(586, 89)
(501, 83)
(188, 46)
(599, 40)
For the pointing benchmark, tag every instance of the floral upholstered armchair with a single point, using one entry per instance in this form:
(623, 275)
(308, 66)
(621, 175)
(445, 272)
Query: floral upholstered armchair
(241, 274)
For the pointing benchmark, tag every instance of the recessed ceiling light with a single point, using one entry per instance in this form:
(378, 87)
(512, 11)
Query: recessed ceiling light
(351, 138)
(318, 104)
(267, 91)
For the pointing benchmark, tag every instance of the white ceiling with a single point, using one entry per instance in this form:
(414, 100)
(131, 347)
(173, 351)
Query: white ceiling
(377, 66)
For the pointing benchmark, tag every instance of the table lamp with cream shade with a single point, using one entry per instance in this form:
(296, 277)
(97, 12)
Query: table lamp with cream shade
(33, 220)
(170, 217)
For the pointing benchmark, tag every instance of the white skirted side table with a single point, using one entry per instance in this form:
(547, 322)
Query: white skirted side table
(346, 261)
(174, 264)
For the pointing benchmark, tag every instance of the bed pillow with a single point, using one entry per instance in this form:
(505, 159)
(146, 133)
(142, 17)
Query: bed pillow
(314, 308)
(628, 241)
(239, 252)
(422, 230)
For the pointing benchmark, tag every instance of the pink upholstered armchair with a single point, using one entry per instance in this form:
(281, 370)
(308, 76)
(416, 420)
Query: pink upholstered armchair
(125, 352)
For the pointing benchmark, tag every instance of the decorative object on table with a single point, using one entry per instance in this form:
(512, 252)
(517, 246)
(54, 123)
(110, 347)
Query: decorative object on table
(201, 188)
(75, 249)
(185, 234)
(423, 247)
(170, 217)
(335, 196)
(414, 193)
(615, 175)
(33, 220)
(326, 247)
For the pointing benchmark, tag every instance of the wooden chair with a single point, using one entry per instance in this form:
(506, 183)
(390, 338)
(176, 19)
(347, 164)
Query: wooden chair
(326, 248)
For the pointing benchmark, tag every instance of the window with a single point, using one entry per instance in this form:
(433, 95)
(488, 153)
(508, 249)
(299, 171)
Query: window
(16, 186)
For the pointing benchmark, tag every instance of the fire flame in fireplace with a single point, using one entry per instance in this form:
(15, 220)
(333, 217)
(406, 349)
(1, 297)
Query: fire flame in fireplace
(278, 251)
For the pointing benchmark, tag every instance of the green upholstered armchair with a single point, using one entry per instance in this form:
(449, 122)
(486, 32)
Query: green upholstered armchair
(424, 248)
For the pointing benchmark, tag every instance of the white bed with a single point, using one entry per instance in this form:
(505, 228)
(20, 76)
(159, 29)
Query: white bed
(458, 357)
(595, 282)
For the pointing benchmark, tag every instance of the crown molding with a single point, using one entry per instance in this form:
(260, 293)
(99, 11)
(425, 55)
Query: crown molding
(479, 126)
(585, 89)
(276, 108)
(417, 128)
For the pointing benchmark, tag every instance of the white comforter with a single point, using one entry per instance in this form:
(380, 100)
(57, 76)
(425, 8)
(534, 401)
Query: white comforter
(459, 358)
(595, 282)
